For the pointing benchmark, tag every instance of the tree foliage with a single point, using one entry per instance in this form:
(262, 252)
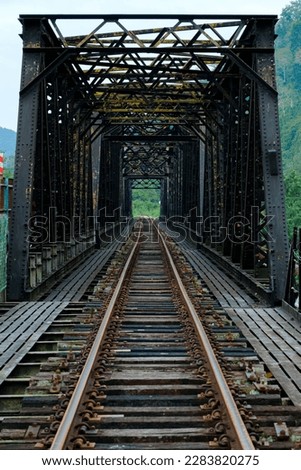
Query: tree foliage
(146, 202)
(293, 200)
(288, 68)
(288, 73)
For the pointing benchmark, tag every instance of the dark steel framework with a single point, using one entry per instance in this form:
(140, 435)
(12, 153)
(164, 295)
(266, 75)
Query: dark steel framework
(189, 100)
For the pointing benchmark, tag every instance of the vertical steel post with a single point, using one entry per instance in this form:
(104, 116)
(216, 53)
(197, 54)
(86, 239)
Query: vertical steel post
(271, 158)
(24, 163)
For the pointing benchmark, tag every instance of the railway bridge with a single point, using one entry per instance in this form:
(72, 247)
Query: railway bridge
(187, 103)
(174, 333)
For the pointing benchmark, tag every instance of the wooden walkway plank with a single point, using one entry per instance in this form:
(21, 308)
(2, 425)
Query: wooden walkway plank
(279, 339)
(68, 288)
(279, 365)
(75, 285)
(288, 323)
(226, 290)
(14, 351)
(24, 324)
(222, 295)
(12, 315)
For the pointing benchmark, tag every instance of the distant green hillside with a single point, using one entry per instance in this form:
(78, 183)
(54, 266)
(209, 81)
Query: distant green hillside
(7, 141)
(288, 73)
(288, 67)
(8, 147)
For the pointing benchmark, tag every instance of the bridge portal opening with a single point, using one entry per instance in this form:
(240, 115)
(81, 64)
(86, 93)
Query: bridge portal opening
(146, 198)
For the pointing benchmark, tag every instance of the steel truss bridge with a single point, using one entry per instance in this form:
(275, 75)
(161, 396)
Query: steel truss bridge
(184, 103)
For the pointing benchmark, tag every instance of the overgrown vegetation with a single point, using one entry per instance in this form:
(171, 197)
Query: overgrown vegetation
(146, 202)
(288, 63)
(293, 200)
(288, 68)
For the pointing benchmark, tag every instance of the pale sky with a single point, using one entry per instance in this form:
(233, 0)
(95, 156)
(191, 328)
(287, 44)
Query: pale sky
(10, 28)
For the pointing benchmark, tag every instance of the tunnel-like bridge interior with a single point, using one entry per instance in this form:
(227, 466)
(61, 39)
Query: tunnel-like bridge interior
(186, 103)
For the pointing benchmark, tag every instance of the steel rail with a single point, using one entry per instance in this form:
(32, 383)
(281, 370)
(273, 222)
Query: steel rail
(243, 438)
(62, 435)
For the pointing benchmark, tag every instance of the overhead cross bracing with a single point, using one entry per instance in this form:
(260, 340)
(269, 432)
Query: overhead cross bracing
(189, 99)
(168, 73)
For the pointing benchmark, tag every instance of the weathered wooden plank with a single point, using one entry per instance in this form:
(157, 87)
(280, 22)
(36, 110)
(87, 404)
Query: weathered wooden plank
(225, 290)
(152, 410)
(260, 343)
(150, 421)
(286, 322)
(26, 322)
(46, 313)
(152, 360)
(187, 433)
(74, 286)
(272, 337)
(12, 315)
(165, 319)
(145, 389)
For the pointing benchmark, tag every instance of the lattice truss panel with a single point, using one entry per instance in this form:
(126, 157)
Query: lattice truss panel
(188, 99)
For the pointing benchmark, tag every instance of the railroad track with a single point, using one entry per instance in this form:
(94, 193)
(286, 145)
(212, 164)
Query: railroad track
(152, 362)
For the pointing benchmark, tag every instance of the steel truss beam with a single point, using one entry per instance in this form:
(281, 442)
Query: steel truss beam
(52, 221)
(244, 212)
(148, 183)
(187, 99)
(150, 138)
